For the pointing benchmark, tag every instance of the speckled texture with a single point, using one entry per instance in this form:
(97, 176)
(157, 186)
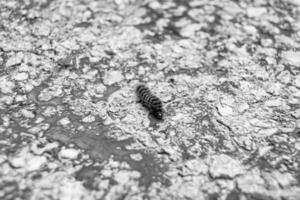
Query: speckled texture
(227, 72)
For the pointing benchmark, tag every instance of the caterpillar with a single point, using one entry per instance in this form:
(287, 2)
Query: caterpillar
(151, 102)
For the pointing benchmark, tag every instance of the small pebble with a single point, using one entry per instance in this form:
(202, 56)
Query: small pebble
(112, 77)
(296, 113)
(297, 81)
(136, 157)
(65, 121)
(88, 119)
(6, 86)
(291, 57)
(69, 154)
(224, 166)
(256, 11)
(21, 76)
(35, 163)
(268, 132)
(27, 113)
(225, 110)
(17, 162)
(273, 103)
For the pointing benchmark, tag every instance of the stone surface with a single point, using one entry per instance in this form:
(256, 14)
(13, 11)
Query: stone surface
(227, 73)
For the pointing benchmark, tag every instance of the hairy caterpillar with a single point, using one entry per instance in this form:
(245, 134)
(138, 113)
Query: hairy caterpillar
(151, 102)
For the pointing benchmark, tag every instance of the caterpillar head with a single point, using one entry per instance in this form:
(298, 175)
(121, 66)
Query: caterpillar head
(158, 114)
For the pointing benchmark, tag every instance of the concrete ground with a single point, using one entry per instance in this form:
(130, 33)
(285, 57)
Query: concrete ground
(227, 72)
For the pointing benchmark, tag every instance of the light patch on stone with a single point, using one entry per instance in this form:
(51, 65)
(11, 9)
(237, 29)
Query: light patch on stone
(264, 150)
(273, 103)
(296, 113)
(297, 81)
(106, 172)
(250, 29)
(88, 119)
(28, 87)
(197, 166)
(87, 36)
(291, 57)
(124, 177)
(284, 77)
(112, 77)
(297, 145)
(35, 163)
(267, 132)
(96, 90)
(154, 5)
(223, 166)
(275, 88)
(43, 29)
(266, 42)
(14, 60)
(69, 154)
(6, 86)
(256, 11)
(72, 191)
(20, 98)
(65, 121)
(136, 156)
(5, 99)
(18, 162)
(243, 107)
(70, 44)
(27, 161)
(189, 30)
(296, 2)
(284, 179)
(49, 93)
(49, 111)
(21, 76)
(225, 110)
(27, 113)
(296, 94)
(251, 183)
(40, 150)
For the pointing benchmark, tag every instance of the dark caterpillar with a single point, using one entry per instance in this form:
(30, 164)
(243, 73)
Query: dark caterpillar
(151, 102)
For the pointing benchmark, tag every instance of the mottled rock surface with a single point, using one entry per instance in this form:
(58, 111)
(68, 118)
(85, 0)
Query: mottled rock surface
(227, 72)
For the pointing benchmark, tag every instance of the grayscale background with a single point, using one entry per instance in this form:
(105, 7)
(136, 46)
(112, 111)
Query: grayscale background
(227, 72)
